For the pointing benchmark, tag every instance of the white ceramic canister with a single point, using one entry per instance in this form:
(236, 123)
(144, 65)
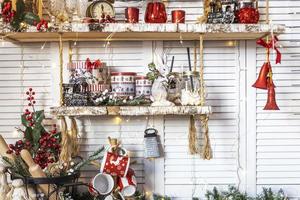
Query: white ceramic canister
(143, 86)
(123, 83)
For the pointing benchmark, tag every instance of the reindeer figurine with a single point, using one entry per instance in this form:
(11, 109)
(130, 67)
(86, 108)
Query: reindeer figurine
(159, 88)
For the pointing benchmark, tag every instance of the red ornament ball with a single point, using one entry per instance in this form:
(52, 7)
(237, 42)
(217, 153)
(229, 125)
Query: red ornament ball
(248, 15)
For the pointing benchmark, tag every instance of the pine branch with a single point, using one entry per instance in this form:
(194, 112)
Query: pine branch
(18, 166)
(95, 156)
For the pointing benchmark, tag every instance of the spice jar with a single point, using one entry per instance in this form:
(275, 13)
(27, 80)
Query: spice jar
(143, 86)
(123, 83)
(248, 12)
(191, 88)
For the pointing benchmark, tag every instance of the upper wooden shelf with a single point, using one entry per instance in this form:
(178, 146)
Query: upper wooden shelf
(130, 110)
(142, 32)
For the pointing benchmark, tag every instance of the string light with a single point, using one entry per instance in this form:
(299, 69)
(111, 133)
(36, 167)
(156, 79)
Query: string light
(15, 133)
(54, 66)
(230, 43)
(2, 41)
(43, 46)
(118, 120)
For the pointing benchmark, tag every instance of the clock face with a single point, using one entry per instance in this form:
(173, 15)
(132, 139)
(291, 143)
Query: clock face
(99, 8)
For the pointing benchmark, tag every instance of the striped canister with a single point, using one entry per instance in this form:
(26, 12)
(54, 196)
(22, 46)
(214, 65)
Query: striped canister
(123, 83)
(143, 86)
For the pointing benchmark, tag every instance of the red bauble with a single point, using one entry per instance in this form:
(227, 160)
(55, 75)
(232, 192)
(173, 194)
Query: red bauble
(248, 15)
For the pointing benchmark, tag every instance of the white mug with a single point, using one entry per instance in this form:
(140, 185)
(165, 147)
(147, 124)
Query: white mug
(103, 183)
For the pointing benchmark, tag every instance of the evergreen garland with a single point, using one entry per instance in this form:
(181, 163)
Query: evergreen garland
(234, 194)
(268, 194)
(17, 166)
(95, 156)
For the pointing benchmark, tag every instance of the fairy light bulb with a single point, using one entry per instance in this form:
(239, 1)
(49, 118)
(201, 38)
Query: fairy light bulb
(231, 43)
(53, 65)
(15, 133)
(118, 120)
(75, 43)
(43, 46)
(181, 39)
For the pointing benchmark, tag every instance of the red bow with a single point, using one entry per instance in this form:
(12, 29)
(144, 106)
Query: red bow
(92, 65)
(271, 45)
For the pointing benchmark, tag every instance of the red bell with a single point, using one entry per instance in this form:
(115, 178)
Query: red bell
(271, 103)
(262, 80)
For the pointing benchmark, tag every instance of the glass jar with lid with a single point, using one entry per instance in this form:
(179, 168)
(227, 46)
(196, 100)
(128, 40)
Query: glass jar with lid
(191, 88)
(248, 12)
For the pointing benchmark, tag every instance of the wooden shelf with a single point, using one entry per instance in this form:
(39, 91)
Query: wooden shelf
(130, 110)
(142, 32)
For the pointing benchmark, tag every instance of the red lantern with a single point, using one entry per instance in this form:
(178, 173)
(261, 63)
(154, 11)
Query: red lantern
(248, 15)
(156, 13)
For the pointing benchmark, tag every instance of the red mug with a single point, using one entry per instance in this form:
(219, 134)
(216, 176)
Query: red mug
(132, 15)
(156, 13)
(178, 16)
(115, 164)
(128, 184)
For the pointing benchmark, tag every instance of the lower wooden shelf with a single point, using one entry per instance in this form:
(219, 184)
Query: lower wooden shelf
(130, 110)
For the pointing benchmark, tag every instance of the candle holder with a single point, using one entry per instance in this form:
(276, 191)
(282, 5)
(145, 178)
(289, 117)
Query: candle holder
(156, 13)
(178, 16)
(132, 15)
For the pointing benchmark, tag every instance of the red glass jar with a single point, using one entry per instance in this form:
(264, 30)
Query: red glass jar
(248, 12)
(156, 13)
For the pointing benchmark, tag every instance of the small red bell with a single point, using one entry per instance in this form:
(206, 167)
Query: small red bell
(271, 103)
(262, 80)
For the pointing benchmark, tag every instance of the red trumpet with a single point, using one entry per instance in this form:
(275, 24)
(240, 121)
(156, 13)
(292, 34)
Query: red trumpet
(271, 103)
(262, 80)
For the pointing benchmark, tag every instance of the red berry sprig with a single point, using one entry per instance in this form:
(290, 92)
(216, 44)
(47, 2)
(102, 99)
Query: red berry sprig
(18, 147)
(106, 19)
(42, 25)
(47, 148)
(7, 12)
(30, 93)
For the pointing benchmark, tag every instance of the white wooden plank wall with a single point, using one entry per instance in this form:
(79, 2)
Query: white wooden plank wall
(185, 174)
(22, 67)
(277, 142)
(123, 56)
